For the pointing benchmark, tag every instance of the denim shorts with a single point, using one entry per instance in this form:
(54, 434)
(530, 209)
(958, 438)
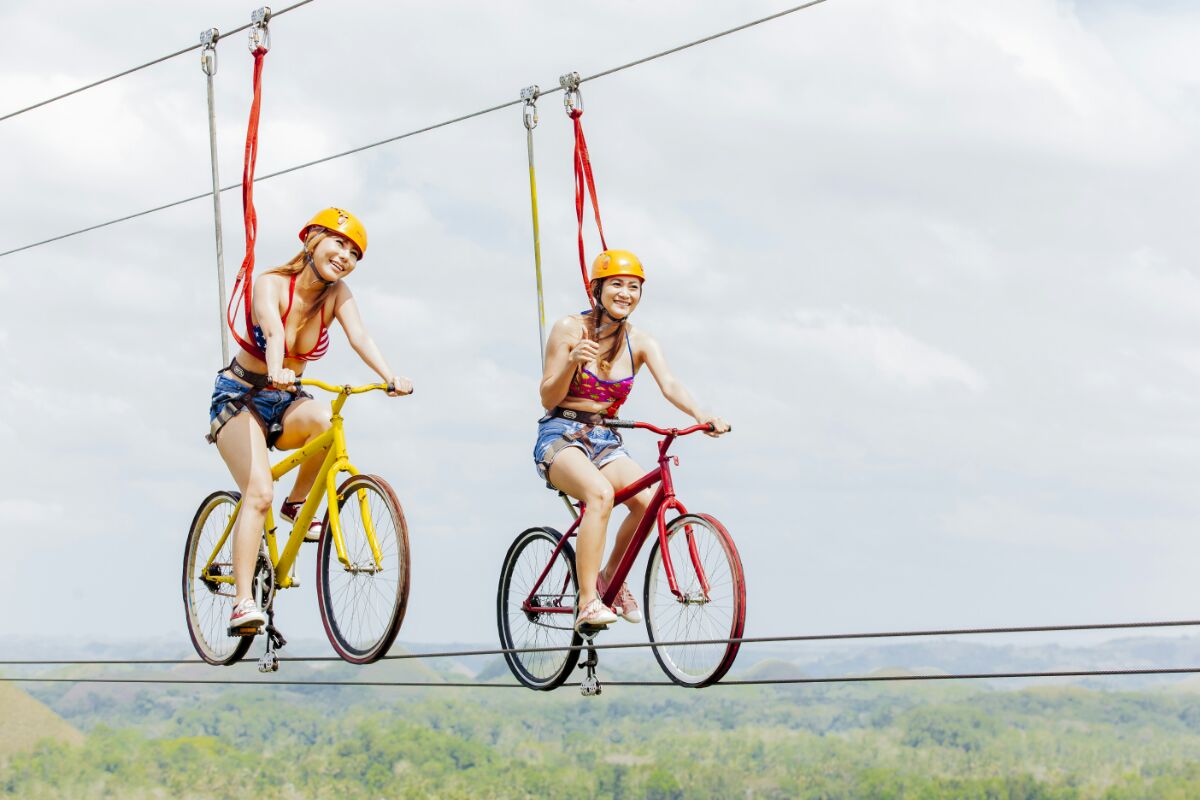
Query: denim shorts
(269, 403)
(601, 444)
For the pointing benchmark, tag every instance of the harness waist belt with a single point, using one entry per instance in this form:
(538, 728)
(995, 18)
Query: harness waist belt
(586, 417)
(255, 379)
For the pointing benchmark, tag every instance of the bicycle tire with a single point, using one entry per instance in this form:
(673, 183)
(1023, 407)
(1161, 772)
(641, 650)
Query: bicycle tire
(523, 564)
(722, 615)
(207, 605)
(362, 608)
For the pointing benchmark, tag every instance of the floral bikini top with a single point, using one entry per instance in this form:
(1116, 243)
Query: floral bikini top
(586, 386)
(318, 350)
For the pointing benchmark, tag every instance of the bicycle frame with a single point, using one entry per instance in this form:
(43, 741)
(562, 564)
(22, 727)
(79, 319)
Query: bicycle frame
(336, 462)
(664, 500)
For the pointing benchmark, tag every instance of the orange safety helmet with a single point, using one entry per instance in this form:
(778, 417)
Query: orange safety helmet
(611, 263)
(339, 221)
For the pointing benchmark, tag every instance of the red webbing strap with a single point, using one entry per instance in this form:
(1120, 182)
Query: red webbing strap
(584, 179)
(245, 277)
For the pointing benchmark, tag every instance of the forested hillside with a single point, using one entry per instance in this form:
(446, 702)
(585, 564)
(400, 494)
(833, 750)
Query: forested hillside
(918, 741)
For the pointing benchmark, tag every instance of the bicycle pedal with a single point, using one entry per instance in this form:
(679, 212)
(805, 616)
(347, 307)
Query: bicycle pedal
(245, 630)
(589, 631)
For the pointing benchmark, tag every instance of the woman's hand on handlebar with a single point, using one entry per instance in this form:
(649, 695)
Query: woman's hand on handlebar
(285, 379)
(399, 386)
(717, 426)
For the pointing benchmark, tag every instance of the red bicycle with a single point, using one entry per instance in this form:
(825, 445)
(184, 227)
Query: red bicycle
(694, 590)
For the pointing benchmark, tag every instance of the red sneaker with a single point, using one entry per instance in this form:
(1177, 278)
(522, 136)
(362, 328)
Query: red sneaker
(288, 512)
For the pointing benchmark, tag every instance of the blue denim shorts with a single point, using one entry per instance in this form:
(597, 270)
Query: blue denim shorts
(269, 403)
(601, 444)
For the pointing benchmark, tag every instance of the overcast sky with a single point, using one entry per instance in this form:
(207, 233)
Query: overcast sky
(933, 260)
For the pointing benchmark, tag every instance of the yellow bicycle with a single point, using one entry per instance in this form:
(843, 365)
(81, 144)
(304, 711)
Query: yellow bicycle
(362, 557)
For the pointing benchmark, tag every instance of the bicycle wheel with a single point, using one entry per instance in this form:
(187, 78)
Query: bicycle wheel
(362, 603)
(695, 617)
(519, 629)
(207, 603)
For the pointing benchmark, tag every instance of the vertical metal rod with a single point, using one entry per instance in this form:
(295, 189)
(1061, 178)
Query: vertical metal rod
(537, 248)
(216, 194)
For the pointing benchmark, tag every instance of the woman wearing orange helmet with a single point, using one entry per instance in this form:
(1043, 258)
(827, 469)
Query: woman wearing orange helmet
(286, 323)
(591, 360)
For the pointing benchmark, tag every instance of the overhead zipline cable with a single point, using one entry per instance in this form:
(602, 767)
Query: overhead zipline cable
(816, 637)
(132, 70)
(965, 676)
(426, 129)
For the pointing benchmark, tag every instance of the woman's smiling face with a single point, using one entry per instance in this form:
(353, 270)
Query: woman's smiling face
(620, 295)
(335, 256)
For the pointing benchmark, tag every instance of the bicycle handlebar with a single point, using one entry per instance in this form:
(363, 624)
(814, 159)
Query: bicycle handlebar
(347, 389)
(628, 423)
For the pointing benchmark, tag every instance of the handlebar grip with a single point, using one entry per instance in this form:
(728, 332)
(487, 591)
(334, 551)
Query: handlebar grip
(619, 423)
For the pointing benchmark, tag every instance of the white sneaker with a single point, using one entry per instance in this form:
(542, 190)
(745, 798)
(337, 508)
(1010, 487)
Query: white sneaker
(247, 614)
(594, 615)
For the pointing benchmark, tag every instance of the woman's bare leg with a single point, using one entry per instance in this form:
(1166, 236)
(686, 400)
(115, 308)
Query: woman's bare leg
(620, 473)
(244, 448)
(302, 422)
(572, 472)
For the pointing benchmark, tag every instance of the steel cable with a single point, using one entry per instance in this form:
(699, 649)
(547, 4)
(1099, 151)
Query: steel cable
(425, 129)
(816, 637)
(132, 70)
(1082, 673)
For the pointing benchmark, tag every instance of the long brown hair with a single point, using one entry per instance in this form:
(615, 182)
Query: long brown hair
(298, 263)
(592, 321)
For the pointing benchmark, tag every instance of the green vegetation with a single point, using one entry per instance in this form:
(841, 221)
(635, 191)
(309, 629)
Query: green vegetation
(813, 742)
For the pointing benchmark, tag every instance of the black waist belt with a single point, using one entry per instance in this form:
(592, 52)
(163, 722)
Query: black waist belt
(255, 379)
(586, 417)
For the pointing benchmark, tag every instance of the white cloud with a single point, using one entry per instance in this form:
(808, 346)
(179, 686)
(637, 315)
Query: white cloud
(918, 253)
(19, 513)
(861, 344)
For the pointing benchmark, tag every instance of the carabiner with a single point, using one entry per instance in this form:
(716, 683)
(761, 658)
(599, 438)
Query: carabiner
(529, 96)
(260, 35)
(208, 55)
(572, 97)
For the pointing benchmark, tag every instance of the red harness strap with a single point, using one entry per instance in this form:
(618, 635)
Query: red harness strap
(240, 296)
(584, 179)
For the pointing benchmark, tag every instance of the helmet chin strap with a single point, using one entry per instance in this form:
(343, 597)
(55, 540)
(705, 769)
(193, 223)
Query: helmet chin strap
(611, 316)
(312, 265)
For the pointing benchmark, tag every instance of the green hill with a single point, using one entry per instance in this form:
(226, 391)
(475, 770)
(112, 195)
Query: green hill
(24, 722)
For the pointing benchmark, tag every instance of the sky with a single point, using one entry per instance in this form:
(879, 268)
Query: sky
(933, 261)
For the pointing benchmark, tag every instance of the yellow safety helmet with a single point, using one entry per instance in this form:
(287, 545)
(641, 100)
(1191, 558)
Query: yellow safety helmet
(339, 221)
(611, 263)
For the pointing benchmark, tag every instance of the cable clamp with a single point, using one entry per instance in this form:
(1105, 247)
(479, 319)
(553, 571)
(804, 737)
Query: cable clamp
(260, 35)
(572, 97)
(529, 96)
(208, 56)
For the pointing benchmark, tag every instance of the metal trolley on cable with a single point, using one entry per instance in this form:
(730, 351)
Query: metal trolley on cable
(694, 590)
